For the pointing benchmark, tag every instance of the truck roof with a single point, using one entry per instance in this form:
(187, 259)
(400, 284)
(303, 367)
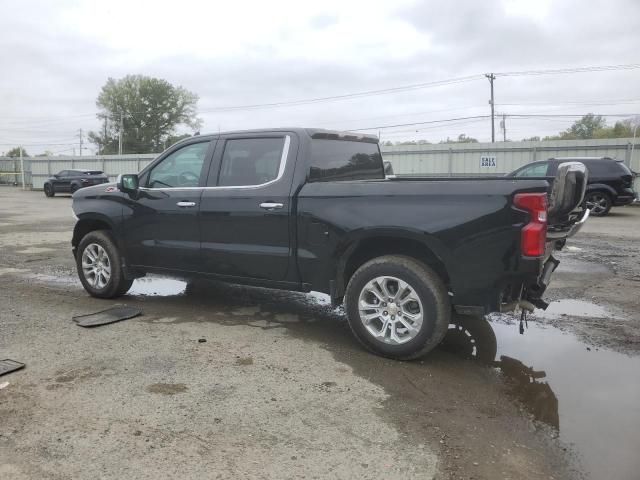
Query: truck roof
(311, 132)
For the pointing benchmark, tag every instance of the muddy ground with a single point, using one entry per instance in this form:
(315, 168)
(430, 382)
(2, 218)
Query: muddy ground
(217, 381)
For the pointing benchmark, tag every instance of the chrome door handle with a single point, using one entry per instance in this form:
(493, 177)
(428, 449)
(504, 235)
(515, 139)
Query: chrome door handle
(271, 206)
(186, 204)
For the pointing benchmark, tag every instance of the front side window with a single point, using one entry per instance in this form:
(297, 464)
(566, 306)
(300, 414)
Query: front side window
(182, 168)
(251, 161)
(537, 170)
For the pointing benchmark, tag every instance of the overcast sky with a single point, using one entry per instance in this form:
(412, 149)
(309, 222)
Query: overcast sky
(55, 57)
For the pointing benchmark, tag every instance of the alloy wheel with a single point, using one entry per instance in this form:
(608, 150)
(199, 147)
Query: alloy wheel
(96, 266)
(390, 310)
(597, 203)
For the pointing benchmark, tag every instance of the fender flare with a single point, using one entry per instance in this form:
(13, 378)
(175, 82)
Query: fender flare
(354, 240)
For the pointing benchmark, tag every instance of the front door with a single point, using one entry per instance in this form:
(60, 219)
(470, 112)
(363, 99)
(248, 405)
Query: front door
(62, 182)
(161, 225)
(245, 210)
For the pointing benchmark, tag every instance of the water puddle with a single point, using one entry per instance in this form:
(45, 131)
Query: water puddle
(154, 286)
(573, 308)
(590, 396)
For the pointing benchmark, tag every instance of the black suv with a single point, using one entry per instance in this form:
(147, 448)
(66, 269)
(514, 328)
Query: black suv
(68, 181)
(610, 181)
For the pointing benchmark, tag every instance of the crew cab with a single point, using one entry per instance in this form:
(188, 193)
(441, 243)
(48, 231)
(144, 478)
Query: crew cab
(311, 210)
(68, 181)
(610, 180)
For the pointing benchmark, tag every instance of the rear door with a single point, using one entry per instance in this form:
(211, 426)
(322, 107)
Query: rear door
(245, 209)
(161, 226)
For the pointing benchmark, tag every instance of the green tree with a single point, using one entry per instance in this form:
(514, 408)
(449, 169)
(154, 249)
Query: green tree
(584, 128)
(150, 110)
(15, 152)
(621, 129)
(462, 138)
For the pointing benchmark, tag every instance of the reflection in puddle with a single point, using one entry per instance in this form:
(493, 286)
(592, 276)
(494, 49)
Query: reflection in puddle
(152, 286)
(591, 396)
(574, 308)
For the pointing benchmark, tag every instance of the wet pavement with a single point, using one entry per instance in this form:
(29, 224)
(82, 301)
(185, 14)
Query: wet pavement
(589, 396)
(256, 383)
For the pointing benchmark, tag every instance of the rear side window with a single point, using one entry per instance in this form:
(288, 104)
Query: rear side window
(251, 161)
(601, 167)
(535, 170)
(333, 160)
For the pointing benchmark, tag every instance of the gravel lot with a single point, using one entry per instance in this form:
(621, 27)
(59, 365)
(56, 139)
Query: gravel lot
(280, 389)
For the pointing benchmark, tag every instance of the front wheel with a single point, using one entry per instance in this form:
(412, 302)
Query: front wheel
(397, 307)
(48, 190)
(100, 267)
(599, 203)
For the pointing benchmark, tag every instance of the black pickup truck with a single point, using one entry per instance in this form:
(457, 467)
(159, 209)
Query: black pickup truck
(308, 209)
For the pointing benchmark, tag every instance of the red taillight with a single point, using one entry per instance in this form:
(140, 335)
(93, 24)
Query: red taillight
(534, 233)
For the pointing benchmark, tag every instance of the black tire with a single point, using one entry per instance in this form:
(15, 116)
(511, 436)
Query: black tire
(600, 203)
(48, 190)
(117, 284)
(74, 188)
(471, 337)
(431, 291)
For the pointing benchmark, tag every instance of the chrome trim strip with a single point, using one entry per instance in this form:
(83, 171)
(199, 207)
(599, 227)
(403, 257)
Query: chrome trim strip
(281, 170)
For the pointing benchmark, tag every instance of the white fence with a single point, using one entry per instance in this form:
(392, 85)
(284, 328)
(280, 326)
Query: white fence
(113, 165)
(461, 159)
(454, 159)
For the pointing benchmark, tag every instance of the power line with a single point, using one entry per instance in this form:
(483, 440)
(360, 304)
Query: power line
(577, 103)
(386, 91)
(366, 93)
(420, 123)
(560, 71)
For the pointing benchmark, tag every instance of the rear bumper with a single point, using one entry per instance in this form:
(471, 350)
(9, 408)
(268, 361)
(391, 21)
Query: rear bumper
(623, 200)
(564, 233)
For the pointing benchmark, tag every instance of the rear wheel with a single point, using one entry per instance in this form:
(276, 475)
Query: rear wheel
(100, 267)
(74, 188)
(48, 190)
(397, 307)
(599, 203)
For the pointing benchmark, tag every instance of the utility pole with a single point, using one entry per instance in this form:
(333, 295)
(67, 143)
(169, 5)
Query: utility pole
(80, 135)
(491, 78)
(22, 167)
(504, 127)
(120, 133)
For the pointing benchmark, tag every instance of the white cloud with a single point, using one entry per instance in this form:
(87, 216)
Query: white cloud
(57, 55)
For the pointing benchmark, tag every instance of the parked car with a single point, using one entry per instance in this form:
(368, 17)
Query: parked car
(610, 181)
(311, 210)
(68, 181)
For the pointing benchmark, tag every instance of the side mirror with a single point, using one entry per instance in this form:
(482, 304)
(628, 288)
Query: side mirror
(128, 183)
(568, 189)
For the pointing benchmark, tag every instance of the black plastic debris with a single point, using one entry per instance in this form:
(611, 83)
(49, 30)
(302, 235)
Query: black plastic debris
(8, 366)
(110, 315)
